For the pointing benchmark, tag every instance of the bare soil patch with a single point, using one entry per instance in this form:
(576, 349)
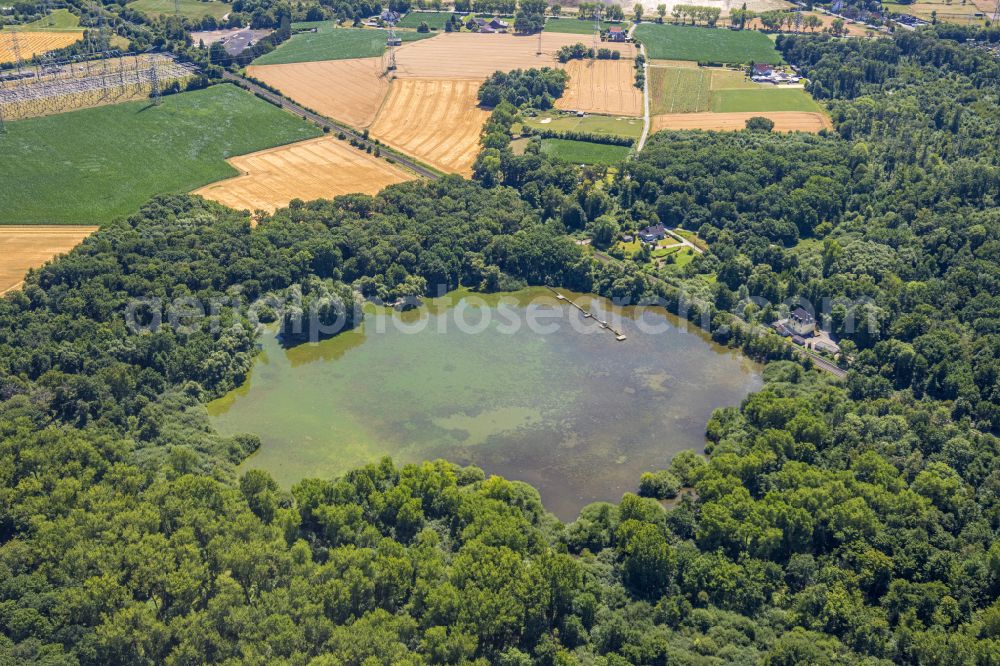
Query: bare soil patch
(784, 121)
(23, 247)
(435, 120)
(320, 168)
(350, 91)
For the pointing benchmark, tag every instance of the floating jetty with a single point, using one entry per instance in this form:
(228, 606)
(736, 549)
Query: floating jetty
(587, 314)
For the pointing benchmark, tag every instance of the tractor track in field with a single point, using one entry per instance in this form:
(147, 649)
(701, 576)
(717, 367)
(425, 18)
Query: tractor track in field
(285, 103)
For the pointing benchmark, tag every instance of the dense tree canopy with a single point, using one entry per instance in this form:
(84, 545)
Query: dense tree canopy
(836, 522)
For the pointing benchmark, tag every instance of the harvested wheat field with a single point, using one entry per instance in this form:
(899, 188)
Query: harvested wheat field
(319, 168)
(350, 91)
(784, 121)
(468, 55)
(23, 247)
(602, 86)
(34, 43)
(435, 120)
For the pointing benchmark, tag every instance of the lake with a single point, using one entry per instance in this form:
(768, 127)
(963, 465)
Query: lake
(519, 384)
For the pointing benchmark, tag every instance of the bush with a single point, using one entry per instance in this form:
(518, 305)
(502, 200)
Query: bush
(659, 485)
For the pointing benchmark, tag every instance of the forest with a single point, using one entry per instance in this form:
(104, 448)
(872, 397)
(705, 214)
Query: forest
(833, 522)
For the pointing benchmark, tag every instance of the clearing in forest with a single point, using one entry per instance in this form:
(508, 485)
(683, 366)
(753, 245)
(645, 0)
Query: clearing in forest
(607, 125)
(434, 20)
(435, 120)
(35, 43)
(23, 247)
(350, 91)
(784, 121)
(571, 25)
(320, 168)
(720, 45)
(467, 55)
(602, 86)
(584, 152)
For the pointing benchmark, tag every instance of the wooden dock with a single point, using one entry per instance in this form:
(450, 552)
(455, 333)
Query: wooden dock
(587, 314)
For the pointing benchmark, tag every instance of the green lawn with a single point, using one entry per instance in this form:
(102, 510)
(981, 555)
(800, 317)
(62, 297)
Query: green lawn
(787, 99)
(612, 126)
(60, 19)
(584, 152)
(676, 42)
(89, 166)
(192, 9)
(435, 20)
(570, 25)
(332, 43)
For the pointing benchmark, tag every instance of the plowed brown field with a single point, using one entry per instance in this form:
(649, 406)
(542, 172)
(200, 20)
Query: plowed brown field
(23, 247)
(347, 90)
(437, 121)
(602, 86)
(31, 43)
(784, 121)
(467, 55)
(319, 168)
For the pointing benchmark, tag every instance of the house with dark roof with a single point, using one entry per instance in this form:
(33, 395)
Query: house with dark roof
(653, 233)
(762, 69)
(491, 26)
(801, 322)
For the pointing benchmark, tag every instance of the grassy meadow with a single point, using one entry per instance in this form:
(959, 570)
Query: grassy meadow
(584, 152)
(89, 166)
(192, 9)
(435, 20)
(60, 19)
(330, 42)
(782, 99)
(609, 125)
(677, 42)
(573, 26)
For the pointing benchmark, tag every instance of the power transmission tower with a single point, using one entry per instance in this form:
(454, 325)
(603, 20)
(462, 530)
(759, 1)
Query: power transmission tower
(392, 41)
(154, 82)
(17, 52)
(177, 7)
(597, 29)
(3, 128)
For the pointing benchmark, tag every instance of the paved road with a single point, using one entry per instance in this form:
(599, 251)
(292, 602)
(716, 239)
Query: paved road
(323, 121)
(818, 361)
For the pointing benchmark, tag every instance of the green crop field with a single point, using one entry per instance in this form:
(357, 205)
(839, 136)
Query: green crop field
(679, 89)
(89, 166)
(676, 42)
(794, 99)
(584, 152)
(610, 125)
(192, 9)
(60, 19)
(435, 20)
(571, 25)
(332, 43)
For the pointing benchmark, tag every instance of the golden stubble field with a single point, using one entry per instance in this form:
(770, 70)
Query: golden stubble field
(32, 43)
(27, 246)
(437, 121)
(466, 55)
(350, 91)
(320, 168)
(602, 86)
(784, 121)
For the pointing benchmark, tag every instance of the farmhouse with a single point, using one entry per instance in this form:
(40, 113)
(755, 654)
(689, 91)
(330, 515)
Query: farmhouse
(801, 322)
(763, 73)
(616, 34)
(491, 26)
(653, 233)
